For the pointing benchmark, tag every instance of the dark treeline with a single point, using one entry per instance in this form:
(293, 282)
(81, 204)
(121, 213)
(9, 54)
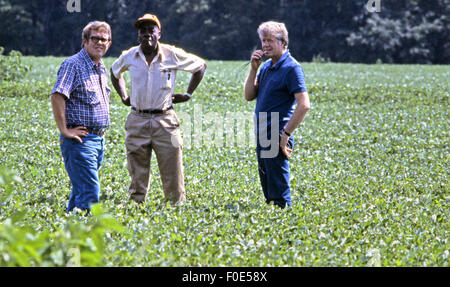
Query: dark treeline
(403, 31)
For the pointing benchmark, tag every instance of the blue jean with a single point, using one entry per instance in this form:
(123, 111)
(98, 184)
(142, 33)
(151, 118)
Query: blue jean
(82, 162)
(274, 176)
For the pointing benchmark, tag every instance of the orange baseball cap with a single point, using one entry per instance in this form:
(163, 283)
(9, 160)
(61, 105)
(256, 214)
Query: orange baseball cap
(147, 18)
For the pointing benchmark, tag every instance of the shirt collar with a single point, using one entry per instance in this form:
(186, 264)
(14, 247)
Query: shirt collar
(280, 61)
(160, 54)
(89, 61)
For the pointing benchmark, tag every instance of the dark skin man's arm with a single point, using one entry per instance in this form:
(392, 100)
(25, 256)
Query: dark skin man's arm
(196, 78)
(121, 88)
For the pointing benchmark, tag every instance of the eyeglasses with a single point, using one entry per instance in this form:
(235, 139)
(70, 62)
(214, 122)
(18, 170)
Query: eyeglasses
(96, 40)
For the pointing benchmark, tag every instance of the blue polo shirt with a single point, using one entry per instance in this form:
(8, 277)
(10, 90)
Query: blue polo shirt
(276, 88)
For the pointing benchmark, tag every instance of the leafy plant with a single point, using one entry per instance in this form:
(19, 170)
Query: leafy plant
(11, 66)
(78, 242)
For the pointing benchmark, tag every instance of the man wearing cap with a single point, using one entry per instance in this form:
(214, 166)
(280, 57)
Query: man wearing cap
(80, 102)
(152, 123)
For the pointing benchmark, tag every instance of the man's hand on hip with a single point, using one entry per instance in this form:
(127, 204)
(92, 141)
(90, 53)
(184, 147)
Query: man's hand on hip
(75, 133)
(180, 98)
(126, 101)
(283, 145)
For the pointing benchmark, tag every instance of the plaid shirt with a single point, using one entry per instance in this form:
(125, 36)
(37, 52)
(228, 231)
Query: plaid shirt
(86, 87)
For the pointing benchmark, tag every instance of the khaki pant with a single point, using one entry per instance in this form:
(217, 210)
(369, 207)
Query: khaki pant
(161, 133)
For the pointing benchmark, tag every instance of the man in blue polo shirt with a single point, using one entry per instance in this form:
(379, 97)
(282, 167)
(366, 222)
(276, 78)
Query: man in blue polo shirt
(80, 102)
(279, 84)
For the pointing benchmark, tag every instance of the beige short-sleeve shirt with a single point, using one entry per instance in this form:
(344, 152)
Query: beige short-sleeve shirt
(152, 85)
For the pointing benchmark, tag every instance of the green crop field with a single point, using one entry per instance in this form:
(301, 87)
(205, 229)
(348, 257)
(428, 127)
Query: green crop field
(369, 176)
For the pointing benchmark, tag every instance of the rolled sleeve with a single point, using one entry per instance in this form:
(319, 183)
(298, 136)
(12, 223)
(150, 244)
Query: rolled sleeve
(120, 66)
(187, 62)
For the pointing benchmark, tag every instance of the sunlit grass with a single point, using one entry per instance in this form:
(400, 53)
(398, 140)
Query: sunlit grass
(369, 174)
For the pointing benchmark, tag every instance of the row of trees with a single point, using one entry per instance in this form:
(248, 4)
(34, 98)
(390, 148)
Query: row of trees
(403, 31)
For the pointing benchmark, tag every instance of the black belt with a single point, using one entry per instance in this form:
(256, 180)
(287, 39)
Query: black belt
(152, 112)
(96, 131)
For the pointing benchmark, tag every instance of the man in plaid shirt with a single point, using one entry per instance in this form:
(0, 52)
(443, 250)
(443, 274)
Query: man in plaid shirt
(80, 102)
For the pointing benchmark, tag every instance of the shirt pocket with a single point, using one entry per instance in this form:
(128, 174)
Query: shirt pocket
(166, 79)
(91, 96)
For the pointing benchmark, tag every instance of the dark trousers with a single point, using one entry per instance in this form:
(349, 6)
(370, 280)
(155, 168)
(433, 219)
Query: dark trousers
(274, 177)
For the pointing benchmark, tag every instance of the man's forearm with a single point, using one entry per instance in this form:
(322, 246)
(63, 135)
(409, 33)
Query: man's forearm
(196, 78)
(250, 88)
(303, 106)
(59, 111)
(120, 86)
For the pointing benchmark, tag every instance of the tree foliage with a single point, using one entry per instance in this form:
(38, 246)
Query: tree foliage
(416, 34)
(343, 31)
